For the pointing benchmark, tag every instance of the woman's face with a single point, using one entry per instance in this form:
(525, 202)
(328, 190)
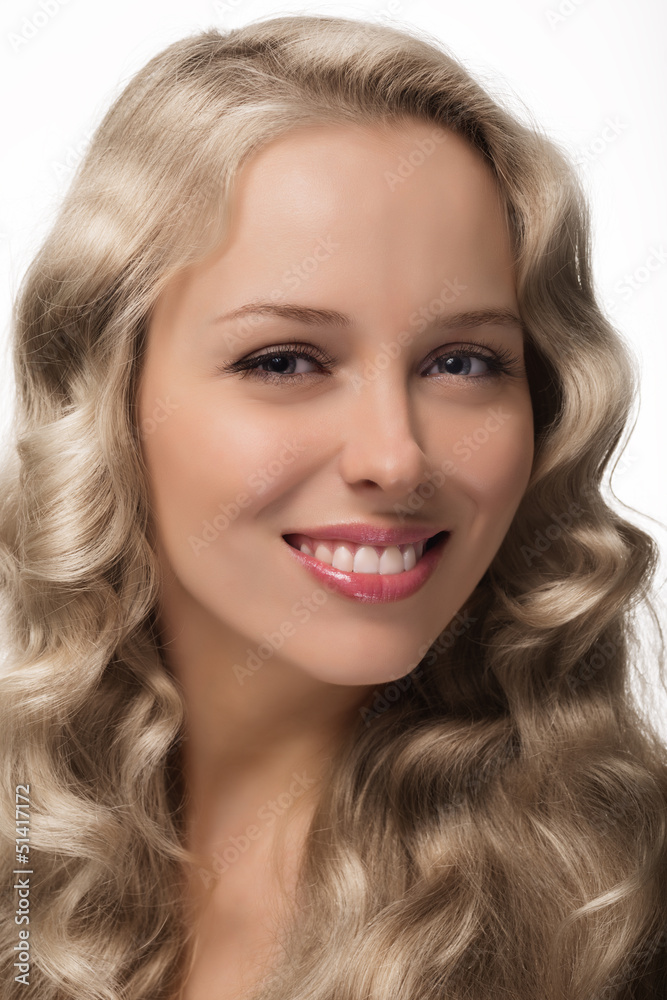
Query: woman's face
(399, 415)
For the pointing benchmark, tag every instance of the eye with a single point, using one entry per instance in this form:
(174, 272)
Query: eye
(281, 364)
(474, 364)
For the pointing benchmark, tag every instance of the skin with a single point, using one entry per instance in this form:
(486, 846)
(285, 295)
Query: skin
(360, 448)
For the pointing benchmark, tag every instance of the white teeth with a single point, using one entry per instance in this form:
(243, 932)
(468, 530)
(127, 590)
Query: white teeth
(365, 559)
(411, 555)
(391, 560)
(343, 559)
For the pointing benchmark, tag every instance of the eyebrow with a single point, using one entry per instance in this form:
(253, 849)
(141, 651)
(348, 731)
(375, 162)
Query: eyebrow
(331, 317)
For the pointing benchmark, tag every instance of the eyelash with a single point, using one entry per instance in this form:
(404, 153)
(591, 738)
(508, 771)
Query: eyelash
(501, 363)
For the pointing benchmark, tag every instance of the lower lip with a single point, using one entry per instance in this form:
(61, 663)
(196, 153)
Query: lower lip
(374, 588)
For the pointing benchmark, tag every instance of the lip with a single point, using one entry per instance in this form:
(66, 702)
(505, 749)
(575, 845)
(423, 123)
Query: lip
(373, 588)
(367, 534)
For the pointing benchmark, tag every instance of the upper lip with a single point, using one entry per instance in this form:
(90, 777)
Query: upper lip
(368, 534)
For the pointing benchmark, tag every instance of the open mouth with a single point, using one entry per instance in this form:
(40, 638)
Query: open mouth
(434, 540)
(369, 573)
(343, 554)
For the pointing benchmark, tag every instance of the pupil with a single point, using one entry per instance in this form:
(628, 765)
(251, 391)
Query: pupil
(454, 365)
(279, 359)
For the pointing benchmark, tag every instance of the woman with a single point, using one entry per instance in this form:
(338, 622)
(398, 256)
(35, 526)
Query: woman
(321, 626)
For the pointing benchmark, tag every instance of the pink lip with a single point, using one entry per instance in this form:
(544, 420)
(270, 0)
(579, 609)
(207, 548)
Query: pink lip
(373, 588)
(366, 534)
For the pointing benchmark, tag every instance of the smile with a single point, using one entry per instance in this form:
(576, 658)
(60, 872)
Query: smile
(369, 573)
(360, 558)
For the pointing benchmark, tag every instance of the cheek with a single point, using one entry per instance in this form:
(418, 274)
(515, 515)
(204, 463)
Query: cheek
(212, 463)
(493, 469)
(193, 456)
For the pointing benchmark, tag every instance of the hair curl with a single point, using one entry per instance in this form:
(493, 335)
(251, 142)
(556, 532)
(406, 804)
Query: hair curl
(499, 830)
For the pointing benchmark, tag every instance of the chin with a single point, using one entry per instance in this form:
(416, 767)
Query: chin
(362, 665)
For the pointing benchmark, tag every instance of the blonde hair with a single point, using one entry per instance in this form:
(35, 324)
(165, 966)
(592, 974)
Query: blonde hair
(496, 830)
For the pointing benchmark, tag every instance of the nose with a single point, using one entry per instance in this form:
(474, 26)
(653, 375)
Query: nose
(381, 447)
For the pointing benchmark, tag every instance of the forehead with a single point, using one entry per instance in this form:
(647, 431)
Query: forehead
(394, 194)
(371, 221)
(385, 171)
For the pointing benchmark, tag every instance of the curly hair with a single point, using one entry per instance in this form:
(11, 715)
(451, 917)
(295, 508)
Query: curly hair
(497, 826)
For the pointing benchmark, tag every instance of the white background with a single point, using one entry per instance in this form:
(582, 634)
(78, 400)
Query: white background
(591, 73)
